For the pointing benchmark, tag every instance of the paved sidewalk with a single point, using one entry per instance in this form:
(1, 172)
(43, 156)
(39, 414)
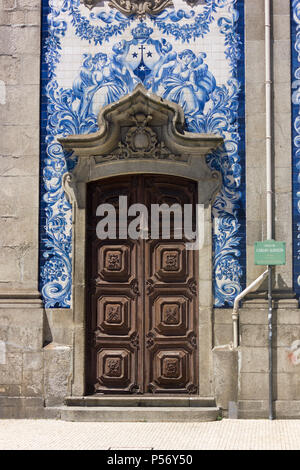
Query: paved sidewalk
(221, 435)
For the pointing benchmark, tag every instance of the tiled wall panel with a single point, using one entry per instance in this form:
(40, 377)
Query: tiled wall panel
(295, 37)
(190, 55)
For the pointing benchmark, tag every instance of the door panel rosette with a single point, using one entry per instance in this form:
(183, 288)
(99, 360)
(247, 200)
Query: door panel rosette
(116, 370)
(172, 369)
(116, 262)
(169, 262)
(171, 315)
(116, 315)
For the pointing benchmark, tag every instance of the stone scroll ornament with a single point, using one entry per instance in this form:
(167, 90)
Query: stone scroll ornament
(138, 7)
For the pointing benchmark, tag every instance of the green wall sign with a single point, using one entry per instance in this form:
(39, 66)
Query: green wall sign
(269, 253)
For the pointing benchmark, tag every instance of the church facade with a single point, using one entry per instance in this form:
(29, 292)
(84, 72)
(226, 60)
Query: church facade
(158, 103)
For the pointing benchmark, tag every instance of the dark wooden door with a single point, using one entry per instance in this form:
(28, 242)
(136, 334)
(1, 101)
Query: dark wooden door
(141, 297)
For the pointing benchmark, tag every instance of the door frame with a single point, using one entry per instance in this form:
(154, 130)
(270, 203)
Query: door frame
(96, 162)
(205, 300)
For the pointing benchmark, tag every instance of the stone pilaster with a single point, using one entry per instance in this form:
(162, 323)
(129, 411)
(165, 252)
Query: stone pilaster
(282, 138)
(19, 143)
(255, 135)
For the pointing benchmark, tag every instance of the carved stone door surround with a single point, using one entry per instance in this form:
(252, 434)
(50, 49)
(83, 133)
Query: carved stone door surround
(140, 134)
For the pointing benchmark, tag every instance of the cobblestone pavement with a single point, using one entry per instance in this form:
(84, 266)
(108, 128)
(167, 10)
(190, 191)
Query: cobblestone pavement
(225, 434)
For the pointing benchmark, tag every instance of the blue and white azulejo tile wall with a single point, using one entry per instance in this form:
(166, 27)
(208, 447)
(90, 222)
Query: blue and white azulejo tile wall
(295, 74)
(191, 55)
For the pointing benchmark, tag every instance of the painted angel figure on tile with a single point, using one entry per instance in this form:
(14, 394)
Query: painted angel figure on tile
(186, 80)
(98, 84)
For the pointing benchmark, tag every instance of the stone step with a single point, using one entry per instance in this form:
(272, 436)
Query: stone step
(140, 401)
(137, 414)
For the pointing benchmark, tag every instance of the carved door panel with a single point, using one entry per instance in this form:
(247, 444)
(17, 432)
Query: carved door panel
(114, 356)
(141, 298)
(171, 299)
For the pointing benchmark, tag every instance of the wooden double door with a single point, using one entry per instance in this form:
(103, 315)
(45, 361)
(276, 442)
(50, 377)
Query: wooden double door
(142, 298)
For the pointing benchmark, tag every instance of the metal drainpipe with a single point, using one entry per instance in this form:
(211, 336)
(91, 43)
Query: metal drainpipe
(269, 190)
(268, 120)
(235, 313)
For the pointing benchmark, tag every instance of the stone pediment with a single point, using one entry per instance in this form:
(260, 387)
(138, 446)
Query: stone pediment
(143, 133)
(141, 125)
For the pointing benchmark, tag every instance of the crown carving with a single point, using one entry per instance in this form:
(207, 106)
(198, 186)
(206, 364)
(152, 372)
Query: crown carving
(139, 8)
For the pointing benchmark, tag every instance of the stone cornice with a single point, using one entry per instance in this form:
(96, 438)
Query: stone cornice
(20, 299)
